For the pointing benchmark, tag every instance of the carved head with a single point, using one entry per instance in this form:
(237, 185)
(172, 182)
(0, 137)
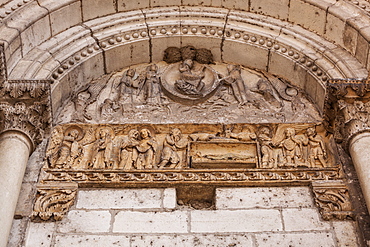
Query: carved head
(145, 133)
(311, 131)
(133, 134)
(175, 132)
(290, 132)
(189, 63)
(130, 73)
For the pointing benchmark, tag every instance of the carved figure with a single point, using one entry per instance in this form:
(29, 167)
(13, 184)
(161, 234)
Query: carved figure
(292, 148)
(102, 149)
(317, 149)
(128, 152)
(236, 82)
(70, 150)
(266, 90)
(246, 135)
(55, 142)
(146, 148)
(190, 82)
(80, 104)
(267, 148)
(173, 145)
(107, 109)
(127, 86)
(201, 136)
(149, 85)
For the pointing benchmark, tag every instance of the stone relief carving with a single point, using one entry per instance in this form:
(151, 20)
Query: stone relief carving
(333, 200)
(25, 106)
(347, 108)
(154, 147)
(188, 87)
(53, 201)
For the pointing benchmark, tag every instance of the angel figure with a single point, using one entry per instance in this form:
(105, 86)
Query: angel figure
(127, 86)
(317, 149)
(102, 149)
(146, 148)
(149, 85)
(173, 145)
(128, 152)
(236, 82)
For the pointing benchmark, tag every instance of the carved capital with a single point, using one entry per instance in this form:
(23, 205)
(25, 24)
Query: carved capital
(333, 200)
(53, 201)
(347, 108)
(25, 107)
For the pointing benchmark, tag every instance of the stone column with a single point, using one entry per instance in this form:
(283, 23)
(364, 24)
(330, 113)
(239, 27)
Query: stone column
(359, 148)
(25, 119)
(15, 148)
(348, 116)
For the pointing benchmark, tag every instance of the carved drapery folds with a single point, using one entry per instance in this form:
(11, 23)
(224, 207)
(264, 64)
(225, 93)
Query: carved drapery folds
(53, 201)
(333, 200)
(348, 108)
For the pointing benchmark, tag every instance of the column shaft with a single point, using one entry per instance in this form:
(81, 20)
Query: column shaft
(15, 148)
(359, 148)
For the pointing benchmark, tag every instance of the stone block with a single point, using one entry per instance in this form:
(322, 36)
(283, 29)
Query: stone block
(318, 239)
(245, 54)
(350, 36)
(266, 197)
(97, 8)
(127, 5)
(304, 219)
(91, 241)
(345, 232)
(39, 234)
(164, 3)
(362, 49)
(236, 221)
(25, 200)
(123, 56)
(36, 34)
(119, 199)
(272, 8)
(65, 17)
(307, 15)
(203, 240)
(236, 4)
(334, 29)
(79, 221)
(151, 222)
(16, 233)
(169, 198)
(287, 68)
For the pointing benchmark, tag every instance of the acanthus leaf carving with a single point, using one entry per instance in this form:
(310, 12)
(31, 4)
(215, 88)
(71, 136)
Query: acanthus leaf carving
(53, 201)
(333, 200)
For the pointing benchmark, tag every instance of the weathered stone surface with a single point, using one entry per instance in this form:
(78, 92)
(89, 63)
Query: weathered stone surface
(119, 199)
(151, 222)
(16, 236)
(204, 240)
(85, 221)
(296, 239)
(39, 234)
(236, 221)
(345, 233)
(91, 240)
(169, 198)
(267, 197)
(304, 219)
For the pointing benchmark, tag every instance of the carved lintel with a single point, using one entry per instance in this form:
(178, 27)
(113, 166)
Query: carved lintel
(3, 73)
(347, 108)
(53, 201)
(25, 107)
(333, 200)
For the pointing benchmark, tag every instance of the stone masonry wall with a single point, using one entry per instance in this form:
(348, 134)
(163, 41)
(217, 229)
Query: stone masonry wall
(269, 216)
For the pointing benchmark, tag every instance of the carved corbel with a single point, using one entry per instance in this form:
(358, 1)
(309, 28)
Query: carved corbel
(333, 200)
(53, 201)
(347, 108)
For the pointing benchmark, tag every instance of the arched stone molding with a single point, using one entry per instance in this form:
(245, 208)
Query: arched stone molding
(110, 43)
(343, 22)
